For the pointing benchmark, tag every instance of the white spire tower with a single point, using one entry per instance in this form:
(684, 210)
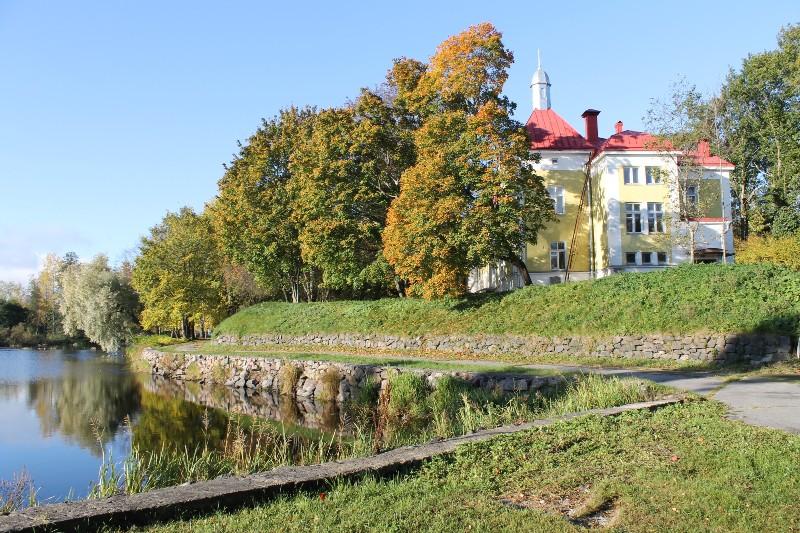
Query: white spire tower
(540, 86)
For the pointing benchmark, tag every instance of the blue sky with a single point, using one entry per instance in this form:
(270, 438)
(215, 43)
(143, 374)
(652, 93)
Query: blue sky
(113, 113)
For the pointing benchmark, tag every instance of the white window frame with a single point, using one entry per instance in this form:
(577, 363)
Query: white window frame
(634, 211)
(692, 199)
(650, 177)
(658, 259)
(655, 213)
(635, 259)
(649, 256)
(630, 175)
(556, 193)
(558, 251)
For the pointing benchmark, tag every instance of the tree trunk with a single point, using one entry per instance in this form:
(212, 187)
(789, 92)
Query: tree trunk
(400, 286)
(744, 209)
(523, 269)
(185, 327)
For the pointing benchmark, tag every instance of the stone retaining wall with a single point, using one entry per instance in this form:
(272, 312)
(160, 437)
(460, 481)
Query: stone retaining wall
(759, 348)
(320, 380)
(259, 403)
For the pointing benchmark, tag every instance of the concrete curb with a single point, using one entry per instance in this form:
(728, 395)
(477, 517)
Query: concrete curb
(229, 491)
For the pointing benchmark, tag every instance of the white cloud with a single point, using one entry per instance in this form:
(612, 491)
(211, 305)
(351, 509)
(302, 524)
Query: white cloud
(22, 251)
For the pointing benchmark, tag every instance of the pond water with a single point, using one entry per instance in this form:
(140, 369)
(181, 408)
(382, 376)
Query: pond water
(60, 411)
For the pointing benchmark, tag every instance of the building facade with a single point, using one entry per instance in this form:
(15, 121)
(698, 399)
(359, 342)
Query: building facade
(625, 203)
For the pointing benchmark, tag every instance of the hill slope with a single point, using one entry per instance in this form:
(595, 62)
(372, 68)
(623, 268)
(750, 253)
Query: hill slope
(691, 298)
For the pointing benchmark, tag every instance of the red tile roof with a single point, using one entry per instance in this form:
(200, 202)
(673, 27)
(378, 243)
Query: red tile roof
(702, 156)
(638, 140)
(548, 131)
(630, 140)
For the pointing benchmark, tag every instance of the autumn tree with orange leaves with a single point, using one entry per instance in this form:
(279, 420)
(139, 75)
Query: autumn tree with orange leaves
(472, 197)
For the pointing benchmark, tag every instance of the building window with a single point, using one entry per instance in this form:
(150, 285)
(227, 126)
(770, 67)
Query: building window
(631, 175)
(691, 196)
(630, 258)
(652, 175)
(655, 217)
(557, 195)
(558, 255)
(662, 258)
(633, 218)
(647, 258)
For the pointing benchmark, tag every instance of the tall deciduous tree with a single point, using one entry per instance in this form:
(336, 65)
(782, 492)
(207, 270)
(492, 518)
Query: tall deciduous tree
(345, 173)
(253, 213)
(472, 197)
(758, 116)
(178, 274)
(99, 302)
(681, 125)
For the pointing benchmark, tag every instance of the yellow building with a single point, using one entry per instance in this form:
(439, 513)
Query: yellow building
(622, 203)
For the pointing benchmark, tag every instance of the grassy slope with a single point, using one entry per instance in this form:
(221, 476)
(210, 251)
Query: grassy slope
(682, 468)
(715, 298)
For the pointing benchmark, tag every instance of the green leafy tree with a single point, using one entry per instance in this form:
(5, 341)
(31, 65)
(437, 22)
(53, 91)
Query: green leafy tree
(253, 211)
(345, 174)
(98, 302)
(178, 275)
(786, 222)
(471, 198)
(11, 314)
(758, 119)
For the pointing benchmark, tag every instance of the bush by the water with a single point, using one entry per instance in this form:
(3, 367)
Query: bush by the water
(691, 298)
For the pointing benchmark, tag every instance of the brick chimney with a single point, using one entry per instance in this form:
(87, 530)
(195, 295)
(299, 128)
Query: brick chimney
(618, 126)
(704, 148)
(590, 121)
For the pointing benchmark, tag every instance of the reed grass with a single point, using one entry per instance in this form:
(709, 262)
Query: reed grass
(407, 412)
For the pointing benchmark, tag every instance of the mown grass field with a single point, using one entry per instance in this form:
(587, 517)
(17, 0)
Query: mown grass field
(681, 468)
(686, 299)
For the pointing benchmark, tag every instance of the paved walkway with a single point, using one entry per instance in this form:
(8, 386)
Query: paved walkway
(770, 401)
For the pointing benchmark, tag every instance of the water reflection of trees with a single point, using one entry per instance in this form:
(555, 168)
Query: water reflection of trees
(84, 394)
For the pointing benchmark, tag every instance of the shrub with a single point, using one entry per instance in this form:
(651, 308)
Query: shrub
(367, 392)
(19, 335)
(783, 251)
(193, 372)
(448, 396)
(330, 380)
(408, 397)
(219, 373)
(288, 376)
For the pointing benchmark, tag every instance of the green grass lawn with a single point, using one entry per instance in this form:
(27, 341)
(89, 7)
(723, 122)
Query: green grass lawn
(681, 468)
(686, 299)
